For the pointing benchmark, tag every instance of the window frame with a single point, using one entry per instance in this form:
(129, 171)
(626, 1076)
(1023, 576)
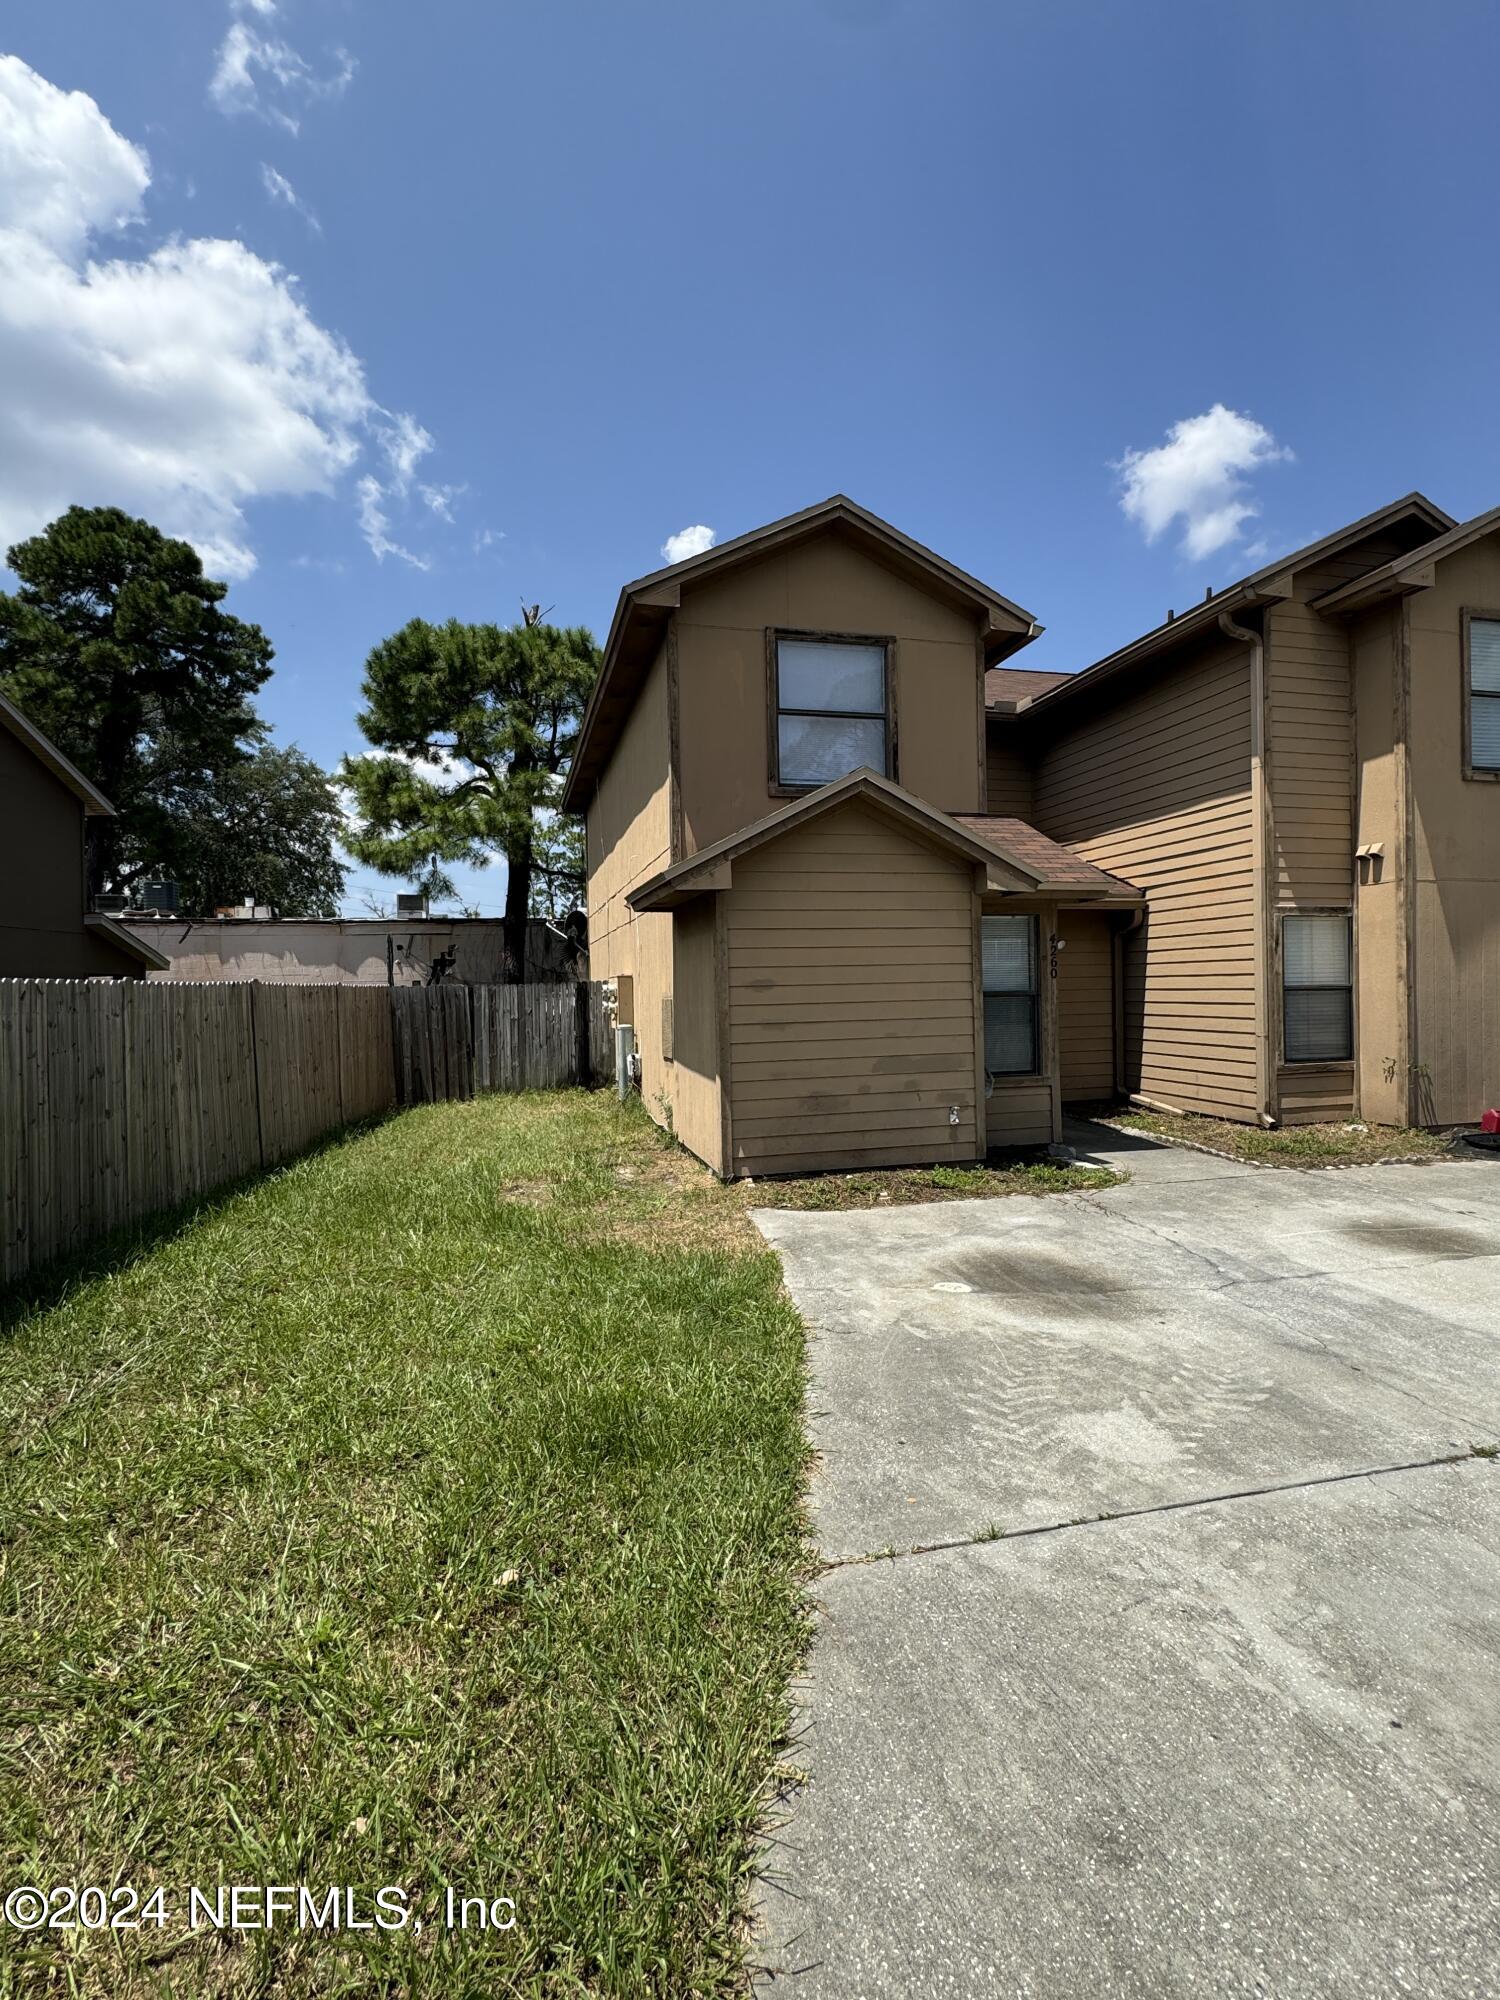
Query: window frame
(1481, 774)
(774, 636)
(1318, 1062)
(1038, 1066)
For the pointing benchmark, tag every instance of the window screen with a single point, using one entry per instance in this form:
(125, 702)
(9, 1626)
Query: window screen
(1484, 694)
(1318, 1001)
(831, 710)
(1010, 1010)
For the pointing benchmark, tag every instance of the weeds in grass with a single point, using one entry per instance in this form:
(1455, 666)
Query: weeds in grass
(1350, 1143)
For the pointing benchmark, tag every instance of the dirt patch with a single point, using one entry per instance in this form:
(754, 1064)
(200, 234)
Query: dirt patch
(536, 1193)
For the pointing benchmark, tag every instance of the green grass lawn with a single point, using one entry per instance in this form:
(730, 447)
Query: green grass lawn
(1347, 1143)
(425, 1514)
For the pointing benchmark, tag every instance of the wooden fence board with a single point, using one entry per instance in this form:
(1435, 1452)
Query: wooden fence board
(118, 1098)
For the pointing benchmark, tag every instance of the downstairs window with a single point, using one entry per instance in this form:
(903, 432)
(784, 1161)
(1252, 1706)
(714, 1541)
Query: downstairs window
(1317, 990)
(1010, 996)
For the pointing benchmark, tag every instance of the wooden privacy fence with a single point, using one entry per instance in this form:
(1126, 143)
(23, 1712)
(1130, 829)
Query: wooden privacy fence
(460, 1041)
(121, 1097)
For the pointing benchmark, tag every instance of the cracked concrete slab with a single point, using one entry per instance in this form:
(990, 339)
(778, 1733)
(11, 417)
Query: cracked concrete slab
(1248, 1746)
(1251, 1749)
(1019, 1362)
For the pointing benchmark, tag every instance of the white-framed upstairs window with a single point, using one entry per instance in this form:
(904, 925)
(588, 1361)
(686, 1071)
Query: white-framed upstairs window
(1481, 694)
(831, 709)
(1317, 986)
(1008, 948)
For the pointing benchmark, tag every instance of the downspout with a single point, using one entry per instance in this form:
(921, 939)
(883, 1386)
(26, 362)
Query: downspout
(1117, 946)
(1245, 636)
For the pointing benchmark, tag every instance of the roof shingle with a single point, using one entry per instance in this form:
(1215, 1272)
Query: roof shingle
(1047, 858)
(1012, 684)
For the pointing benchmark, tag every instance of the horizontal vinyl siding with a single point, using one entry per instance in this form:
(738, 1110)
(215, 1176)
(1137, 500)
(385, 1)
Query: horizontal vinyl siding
(1085, 1007)
(1007, 775)
(851, 1000)
(1019, 1114)
(1156, 787)
(1315, 1094)
(1311, 739)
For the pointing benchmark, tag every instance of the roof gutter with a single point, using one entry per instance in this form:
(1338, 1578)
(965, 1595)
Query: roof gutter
(1192, 624)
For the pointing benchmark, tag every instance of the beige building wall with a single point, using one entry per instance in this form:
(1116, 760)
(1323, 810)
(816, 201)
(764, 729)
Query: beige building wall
(1155, 785)
(1310, 765)
(1086, 1006)
(1027, 1110)
(1456, 855)
(1380, 900)
(829, 585)
(348, 951)
(1310, 782)
(852, 982)
(629, 838)
(695, 1092)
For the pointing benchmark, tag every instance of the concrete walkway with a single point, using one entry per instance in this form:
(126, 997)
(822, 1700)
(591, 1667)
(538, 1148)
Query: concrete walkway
(1246, 1740)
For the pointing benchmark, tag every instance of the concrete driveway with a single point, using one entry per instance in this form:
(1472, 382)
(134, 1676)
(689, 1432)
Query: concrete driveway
(1218, 1712)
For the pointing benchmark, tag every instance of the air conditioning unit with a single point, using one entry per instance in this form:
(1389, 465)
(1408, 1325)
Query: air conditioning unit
(159, 895)
(411, 903)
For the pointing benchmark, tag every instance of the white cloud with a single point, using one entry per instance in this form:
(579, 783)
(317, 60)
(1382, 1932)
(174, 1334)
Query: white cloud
(441, 498)
(404, 443)
(375, 524)
(487, 538)
(1198, 478)
(64, 170)
(183, 383)
(259, 73)
(279, 188)
(687, 542)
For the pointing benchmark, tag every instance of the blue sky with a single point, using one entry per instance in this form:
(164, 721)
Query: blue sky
(571, 278)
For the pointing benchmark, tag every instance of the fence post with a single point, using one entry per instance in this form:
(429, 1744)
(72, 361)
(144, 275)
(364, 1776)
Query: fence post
(583, 1054)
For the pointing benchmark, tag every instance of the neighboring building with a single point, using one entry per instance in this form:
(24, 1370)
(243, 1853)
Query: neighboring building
(46, 931)
(874, 894)
(352, 951)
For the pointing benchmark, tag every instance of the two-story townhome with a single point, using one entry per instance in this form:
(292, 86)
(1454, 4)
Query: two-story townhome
(871, 894)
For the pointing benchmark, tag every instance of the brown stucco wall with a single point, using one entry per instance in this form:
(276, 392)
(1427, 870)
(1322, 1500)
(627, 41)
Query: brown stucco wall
(826, 584)
(851, 982)
(1456, 855)
(1155, 785)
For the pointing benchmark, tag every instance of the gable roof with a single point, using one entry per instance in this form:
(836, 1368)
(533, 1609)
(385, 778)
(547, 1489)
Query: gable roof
(128, 941)
(710, 868)
(1407, 573)
(1263, 586)
(645, 606)
(46, 752)
(1016, 857)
